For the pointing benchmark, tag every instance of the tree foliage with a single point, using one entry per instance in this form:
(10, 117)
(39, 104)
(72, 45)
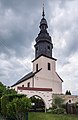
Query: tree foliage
(16, 110)
(5, 99)
(9, 91)
(2, 89)
(57, 105)
(6, 90)
(68, 92)
(58, 101)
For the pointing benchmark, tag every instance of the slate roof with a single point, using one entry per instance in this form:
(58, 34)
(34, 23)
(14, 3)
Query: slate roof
(26, 77)
(59, 76)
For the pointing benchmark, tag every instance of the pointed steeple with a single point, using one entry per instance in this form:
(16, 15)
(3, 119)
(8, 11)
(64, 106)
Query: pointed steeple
(43, 44)
(43, 13)
(43, 23)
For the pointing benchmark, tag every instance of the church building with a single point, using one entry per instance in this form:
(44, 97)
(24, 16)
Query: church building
(43, 81)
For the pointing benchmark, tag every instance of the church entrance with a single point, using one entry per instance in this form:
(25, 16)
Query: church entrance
(38, 104)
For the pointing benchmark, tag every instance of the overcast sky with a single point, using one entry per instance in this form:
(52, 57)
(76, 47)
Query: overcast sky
(19, 26)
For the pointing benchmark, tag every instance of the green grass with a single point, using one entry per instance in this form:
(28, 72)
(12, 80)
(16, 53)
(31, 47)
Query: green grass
(49, 116)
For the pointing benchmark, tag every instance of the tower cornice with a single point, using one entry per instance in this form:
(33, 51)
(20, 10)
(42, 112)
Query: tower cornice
(44, 56)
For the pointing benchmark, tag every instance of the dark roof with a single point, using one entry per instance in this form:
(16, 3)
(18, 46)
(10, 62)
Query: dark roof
(59, 76)
(45, 56)
(26, 77)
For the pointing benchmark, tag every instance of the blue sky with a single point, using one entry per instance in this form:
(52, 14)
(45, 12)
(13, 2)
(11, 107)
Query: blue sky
(19, 26)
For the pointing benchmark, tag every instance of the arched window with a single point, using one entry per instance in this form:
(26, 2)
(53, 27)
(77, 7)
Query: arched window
(22, 85)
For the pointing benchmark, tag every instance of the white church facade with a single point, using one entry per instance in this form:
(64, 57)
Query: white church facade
(43, 81)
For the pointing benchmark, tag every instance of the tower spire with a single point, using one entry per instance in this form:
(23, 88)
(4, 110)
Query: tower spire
(43, 14)
(43, 44)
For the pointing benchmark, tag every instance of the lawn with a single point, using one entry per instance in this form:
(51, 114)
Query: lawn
(49, 116)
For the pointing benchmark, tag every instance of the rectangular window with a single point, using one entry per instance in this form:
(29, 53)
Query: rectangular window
(48, 47)
(36, 67)
(36, 48)
(49, 66)
(28, 84)
(33, 82)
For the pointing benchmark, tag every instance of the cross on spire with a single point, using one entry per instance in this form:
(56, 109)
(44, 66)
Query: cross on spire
(43, 14)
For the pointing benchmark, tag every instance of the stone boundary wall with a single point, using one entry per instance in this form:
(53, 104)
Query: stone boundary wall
(73, 98)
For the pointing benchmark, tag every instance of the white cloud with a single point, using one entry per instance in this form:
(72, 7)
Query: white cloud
(19, 21)
(69, 73)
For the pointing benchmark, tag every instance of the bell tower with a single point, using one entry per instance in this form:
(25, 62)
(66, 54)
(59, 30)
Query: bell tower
(43, 44)
(44, 65)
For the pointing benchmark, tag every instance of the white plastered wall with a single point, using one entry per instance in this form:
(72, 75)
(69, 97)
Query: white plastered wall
(24, 83)
(45, 95)
(47, 78)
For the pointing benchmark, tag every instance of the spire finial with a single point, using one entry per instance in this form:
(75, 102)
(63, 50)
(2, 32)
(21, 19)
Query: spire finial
(43, 14)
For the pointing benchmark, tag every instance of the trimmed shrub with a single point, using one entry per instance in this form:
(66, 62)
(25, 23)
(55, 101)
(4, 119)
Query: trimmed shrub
(10, 111)
(59, 111)
(16, 110)
(6, 99)
(63, 106)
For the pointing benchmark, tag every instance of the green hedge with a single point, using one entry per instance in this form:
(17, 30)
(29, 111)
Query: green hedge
(17, 109)
(59, 111)
(6, 99)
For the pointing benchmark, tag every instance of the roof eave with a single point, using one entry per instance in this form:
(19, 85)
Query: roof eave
(44, 56)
